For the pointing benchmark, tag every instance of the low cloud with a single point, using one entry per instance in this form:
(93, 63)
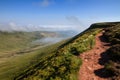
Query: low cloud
(5, 27)
(12, 26)
(73, 24)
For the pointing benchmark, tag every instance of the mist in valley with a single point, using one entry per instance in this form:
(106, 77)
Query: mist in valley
(59, 32)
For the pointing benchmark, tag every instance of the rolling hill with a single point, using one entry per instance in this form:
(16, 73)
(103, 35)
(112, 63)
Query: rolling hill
(17, 41)
(17, 52)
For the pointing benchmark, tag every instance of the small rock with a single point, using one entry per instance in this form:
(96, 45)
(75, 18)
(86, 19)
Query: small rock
(86, 60)
(89, 68)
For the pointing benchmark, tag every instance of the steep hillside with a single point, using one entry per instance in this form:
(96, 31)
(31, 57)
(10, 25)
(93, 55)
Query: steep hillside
(102, 62)
(64, 63)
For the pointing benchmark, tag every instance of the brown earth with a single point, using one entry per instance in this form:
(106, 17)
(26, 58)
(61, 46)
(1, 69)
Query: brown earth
(93, 60)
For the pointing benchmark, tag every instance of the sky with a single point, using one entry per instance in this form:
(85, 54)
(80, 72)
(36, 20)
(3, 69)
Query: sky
(62, 14)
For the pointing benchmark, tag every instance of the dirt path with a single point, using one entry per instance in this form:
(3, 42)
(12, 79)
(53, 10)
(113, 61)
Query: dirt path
(91, 60)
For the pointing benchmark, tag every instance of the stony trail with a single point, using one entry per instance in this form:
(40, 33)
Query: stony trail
(91, 60)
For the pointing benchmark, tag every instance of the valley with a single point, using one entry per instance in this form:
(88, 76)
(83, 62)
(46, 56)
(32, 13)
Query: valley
(18, 50)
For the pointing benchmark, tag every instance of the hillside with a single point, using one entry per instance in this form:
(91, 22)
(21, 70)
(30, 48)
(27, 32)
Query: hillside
(112, 35)
(62, 62)
(16, 41)
(14, 65)
(102, 62)
(17, 52)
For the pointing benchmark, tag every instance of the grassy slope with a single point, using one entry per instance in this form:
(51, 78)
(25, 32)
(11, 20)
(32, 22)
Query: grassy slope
(62, 63)
(10, 67)
(14, 41)
(58, 65)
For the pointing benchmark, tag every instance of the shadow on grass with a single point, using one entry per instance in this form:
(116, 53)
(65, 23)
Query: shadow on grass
(103, 72)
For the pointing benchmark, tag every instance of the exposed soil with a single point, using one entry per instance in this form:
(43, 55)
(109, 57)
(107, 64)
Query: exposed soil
(93, 60)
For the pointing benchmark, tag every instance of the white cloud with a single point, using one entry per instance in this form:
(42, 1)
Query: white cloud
(44, 3)
(12, 24)
(56, 27)
(79, 25)
(4, 27)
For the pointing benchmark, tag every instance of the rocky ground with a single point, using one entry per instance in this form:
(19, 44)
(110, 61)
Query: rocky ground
(92, 68)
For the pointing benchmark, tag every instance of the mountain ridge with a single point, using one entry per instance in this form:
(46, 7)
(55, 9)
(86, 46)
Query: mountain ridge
(60, 56)
(64, 63)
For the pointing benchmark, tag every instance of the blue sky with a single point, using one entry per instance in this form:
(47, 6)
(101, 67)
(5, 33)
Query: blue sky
(59, 12)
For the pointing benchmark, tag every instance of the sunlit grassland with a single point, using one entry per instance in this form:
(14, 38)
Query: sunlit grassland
(62, 64)
(14, 65)
(14, 41)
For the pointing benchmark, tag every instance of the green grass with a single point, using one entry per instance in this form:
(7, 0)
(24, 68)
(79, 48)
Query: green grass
(61, 64)
(14, 41)
(11, 67)
(54, 62)
(13, 55)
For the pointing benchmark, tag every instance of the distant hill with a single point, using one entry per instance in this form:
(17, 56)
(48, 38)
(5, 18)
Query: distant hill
(16, 40)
